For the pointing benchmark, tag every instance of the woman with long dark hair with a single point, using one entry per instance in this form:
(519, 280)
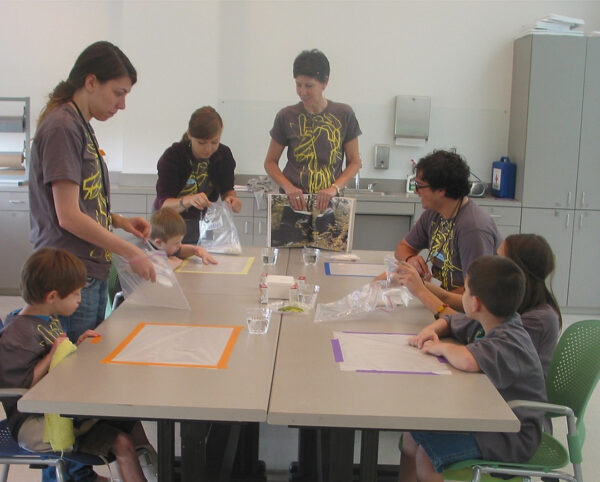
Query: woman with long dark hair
(69, 190)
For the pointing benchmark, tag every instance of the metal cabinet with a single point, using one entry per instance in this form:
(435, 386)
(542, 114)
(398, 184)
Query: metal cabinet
(553, 138)
(556, 225)
(545, 118)
(583, 291)
(14, 239)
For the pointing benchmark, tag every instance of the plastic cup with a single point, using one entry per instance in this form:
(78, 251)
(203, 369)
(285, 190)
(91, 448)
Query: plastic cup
(307, 295)
(269, 256)
(310, 255)
(391, 264)
(258, 319)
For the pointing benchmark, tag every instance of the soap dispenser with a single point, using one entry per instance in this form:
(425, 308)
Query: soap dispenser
(410, 179)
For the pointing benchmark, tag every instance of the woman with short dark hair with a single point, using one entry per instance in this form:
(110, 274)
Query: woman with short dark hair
(318, 134)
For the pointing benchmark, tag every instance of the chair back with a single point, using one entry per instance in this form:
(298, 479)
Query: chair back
(575, 367)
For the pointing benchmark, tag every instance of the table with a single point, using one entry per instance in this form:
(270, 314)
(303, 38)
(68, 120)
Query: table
(167, 394)
(286, 377)
(311, 391)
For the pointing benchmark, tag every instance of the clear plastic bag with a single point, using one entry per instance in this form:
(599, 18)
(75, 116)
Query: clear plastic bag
(218, 233)
(165, 292)
(372, 296)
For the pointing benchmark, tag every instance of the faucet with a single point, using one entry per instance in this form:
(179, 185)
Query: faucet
(357, 181)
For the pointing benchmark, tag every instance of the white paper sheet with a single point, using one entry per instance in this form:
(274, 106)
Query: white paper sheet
(383, 352)
(225, 265)
(369, 270)
(177, 345)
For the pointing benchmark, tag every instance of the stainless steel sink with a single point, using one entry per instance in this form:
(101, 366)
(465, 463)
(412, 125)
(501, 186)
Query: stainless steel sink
(356, 192)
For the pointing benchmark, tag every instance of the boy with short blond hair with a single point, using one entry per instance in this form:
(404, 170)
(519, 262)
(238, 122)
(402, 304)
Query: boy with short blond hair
(52, 280)
(496, 344)
(168, 231)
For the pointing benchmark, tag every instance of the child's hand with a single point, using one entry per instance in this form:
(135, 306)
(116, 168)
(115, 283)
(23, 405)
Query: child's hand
(426, 334)
(57, 341)
(87, 334)
(204, 255)
(433, 347)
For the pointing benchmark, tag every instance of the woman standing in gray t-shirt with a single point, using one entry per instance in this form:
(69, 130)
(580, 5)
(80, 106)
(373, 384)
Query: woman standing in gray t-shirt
(318, 133)
(69, 191)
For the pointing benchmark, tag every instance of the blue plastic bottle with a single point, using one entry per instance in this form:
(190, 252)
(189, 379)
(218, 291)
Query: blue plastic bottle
(503, 178)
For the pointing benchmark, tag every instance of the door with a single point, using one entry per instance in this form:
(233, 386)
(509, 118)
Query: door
(556, 225)
(585, 261)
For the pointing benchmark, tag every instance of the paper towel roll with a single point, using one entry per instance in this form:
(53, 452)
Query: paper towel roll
(10, 160)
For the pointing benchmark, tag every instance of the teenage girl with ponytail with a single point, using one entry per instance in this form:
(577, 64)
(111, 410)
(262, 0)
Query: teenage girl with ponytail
(69, 190)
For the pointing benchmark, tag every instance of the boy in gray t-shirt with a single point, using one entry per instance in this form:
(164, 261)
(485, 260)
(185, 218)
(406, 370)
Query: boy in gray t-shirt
(503, 351)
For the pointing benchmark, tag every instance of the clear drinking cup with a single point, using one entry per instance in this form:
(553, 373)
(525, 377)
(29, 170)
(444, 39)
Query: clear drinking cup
(258, 319)
(269, 256)
(310, 256)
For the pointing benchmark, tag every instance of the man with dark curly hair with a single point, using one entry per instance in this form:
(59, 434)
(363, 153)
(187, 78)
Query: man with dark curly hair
(455, 230)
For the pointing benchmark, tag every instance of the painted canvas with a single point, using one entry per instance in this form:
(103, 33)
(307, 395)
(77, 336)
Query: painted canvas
(331, 229)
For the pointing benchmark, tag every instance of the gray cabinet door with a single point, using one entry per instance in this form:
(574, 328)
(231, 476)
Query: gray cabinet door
(260, 231)
(14, 239)
(588, 194)
(553, 121)
(585, 262)
(245, 228)
(556, 225)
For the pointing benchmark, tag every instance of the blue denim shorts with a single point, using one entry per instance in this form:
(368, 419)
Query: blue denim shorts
(445, 448)
(90, 312)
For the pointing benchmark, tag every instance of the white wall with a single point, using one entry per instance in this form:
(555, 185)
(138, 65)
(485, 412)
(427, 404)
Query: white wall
(237, 55)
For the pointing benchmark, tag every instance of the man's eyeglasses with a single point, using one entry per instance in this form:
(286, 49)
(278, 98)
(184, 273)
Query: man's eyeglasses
(420, 186)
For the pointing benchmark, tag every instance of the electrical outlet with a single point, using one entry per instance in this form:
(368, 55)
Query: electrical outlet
(382, 156)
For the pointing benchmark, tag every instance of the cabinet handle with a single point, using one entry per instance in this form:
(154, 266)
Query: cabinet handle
(569, 199)
(580, 221)
(16, 201)
(495, 215)
(583, 199)
(245, 227)
(260, 227)
(568, 218)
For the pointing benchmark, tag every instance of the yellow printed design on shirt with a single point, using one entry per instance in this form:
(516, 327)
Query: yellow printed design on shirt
(441, 252)
(50, 331)
(198, 180)
(314, 130)
(93, 189)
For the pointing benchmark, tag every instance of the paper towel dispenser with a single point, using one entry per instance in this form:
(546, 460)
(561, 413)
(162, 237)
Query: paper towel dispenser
(411, 126)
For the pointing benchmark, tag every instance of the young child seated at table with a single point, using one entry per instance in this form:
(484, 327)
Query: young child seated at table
(51, 283)
(498, 346)
(168, 230)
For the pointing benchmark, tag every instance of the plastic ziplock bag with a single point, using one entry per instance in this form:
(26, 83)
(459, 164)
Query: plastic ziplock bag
(372, 296)
(218, 233)
(165, 292)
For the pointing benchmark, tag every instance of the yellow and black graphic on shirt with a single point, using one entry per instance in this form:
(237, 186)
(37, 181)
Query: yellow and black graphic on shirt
(312, 130)
(441, 252)
(93, 189)
(197, 179)
(50, 331)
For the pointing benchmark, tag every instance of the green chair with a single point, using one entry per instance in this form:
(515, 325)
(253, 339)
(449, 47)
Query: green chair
(571, 379)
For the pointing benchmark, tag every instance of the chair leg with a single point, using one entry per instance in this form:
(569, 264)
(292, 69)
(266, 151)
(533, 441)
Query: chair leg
(60, 471)
(476, 474)
(4, 475)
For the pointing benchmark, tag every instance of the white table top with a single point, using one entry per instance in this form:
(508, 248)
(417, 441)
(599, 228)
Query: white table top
(82, 385)
(309, 389)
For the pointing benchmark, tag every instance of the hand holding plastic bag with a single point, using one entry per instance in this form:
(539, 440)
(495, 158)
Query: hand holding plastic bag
(218, 233)
(372, 296)
(165, 292)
